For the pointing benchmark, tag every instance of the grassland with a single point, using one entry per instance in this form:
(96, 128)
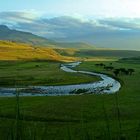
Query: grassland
(86, 117)
(28, 73)
(21, 51)
(106, 54)
(97, 54)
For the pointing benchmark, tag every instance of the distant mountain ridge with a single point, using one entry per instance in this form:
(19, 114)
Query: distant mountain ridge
(20, 36)
(26, 37)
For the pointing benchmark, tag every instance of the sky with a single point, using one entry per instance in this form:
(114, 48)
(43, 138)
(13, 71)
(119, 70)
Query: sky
(90, 8)
(92, 20)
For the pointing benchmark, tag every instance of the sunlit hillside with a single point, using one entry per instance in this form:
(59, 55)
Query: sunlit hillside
(19, 51)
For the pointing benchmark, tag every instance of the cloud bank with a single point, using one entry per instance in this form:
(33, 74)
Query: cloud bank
(65, 27)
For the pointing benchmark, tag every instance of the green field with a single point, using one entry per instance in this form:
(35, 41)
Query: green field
(28, 73)
(86, 117)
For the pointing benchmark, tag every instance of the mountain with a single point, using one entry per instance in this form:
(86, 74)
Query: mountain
(122, 40)
(26, 37)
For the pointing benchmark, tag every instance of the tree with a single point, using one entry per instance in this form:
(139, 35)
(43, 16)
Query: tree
(131, 71)
(126, 72)
(122, 70)
(116, 72)
(100, 64)
(108, 67)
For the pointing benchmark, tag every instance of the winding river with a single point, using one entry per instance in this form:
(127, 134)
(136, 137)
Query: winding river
(106, 85)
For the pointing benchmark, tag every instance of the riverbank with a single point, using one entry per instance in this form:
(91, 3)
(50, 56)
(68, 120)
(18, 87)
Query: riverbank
(106, 85)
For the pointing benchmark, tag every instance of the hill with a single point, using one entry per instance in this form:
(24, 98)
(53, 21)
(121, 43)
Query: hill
(19, 36)
(98, 54)
(75, 45)
(107, 53)
(21, 51)
(26, 37)
(134, 60)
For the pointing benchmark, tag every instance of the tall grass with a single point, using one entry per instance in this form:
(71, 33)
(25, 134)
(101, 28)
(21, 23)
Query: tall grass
(138, 132)
(21, 131)
(17, 129)
(106, 118)
(118, 115)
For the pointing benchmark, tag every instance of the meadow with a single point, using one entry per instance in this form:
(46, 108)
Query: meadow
(35, 73)
(85, 117)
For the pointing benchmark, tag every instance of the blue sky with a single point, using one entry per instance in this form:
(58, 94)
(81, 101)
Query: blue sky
(90, 8)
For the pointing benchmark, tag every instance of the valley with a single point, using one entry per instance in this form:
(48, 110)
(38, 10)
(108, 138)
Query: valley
(81, 116)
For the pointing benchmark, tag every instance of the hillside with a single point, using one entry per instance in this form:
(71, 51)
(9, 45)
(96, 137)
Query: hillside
(26, 37)
(19, 36)
(75, 45)
(20, 51)
(134, 60)
(107, 53)
(98, 54)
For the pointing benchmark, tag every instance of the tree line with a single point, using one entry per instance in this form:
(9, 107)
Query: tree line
(117, 71)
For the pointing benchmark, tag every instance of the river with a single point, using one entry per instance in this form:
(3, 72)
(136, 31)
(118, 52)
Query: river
(107, 85)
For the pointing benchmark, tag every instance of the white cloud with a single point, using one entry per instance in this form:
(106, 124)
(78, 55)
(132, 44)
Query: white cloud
(66, 26)
(12, 17)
